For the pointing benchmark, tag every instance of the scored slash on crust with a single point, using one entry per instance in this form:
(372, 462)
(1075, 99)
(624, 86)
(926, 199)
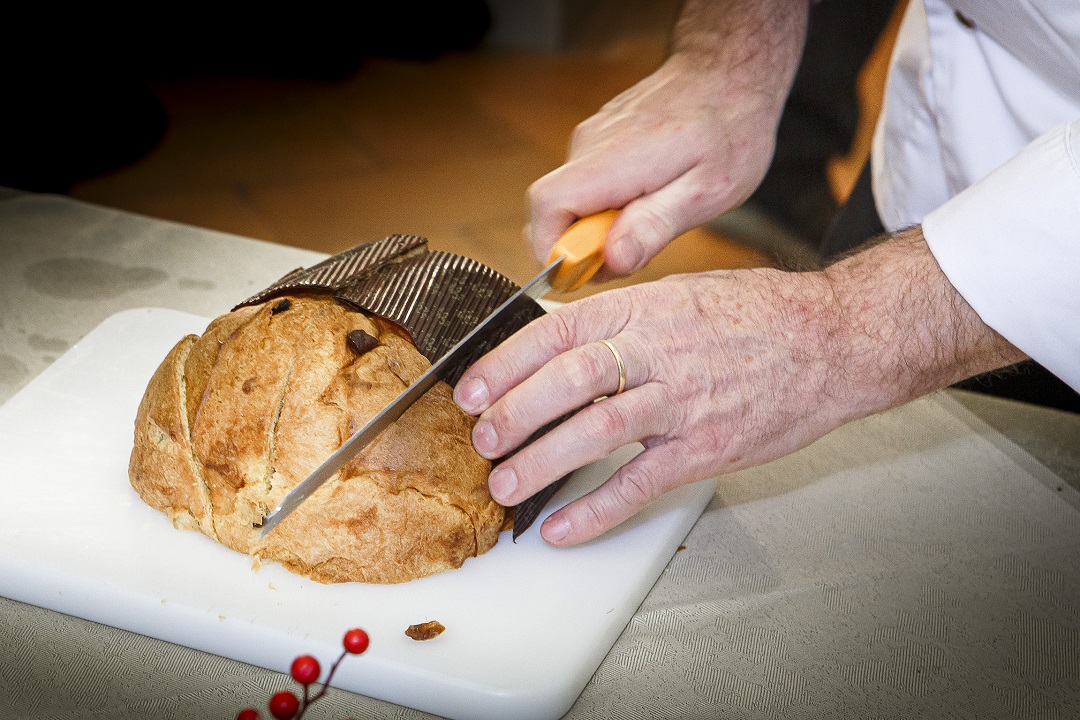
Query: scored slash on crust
(276, 393)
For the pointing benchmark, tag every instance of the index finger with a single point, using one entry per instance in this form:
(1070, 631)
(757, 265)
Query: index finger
(609, 177)
(529, 349)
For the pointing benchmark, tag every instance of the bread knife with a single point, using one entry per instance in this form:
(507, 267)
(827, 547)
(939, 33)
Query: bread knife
(575, 258)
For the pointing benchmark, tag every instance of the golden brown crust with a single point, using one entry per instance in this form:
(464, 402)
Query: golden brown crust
(169, 478)
(235, 419)
(201, 360)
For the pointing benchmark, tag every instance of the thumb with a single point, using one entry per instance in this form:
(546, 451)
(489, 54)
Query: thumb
(647, 225)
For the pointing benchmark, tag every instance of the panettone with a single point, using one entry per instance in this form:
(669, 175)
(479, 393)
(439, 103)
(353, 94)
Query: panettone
(234, 419)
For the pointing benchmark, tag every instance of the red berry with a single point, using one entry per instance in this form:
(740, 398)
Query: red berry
(283, 705)
(356, 641)
(248, 714)
(305, 670)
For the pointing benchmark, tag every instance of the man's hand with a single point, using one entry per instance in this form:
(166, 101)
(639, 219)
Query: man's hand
(685, 144)
(725, 370)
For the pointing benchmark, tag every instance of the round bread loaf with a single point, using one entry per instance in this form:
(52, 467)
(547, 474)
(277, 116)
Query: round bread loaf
(234, 419)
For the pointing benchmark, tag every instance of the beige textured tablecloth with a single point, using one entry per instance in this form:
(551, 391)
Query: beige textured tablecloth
(914, 564)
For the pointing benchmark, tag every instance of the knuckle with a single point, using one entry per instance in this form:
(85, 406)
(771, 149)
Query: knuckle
(581, 133)
(711, 438)
(596, 514)
(652, 225)
(500, 365)
(584, 369)
(634, 487)
(538, 193)
(511, 423)
(628, 491)
(533, 469)
(607, 420)
(498, 369)
(561, 328)
(719, 444)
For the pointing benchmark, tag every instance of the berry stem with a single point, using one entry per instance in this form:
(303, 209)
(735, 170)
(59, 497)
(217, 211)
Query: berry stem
(304, 704)
(322, 691)
(326, 684)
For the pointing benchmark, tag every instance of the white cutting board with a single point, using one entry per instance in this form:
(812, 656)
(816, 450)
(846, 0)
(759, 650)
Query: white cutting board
(526, 624)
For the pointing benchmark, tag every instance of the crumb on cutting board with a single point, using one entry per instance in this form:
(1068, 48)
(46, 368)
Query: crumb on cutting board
(426, 630)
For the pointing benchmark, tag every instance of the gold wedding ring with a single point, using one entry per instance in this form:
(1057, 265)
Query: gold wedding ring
(619, 362)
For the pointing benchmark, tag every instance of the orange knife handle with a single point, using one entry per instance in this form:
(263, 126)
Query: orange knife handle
(582, 250)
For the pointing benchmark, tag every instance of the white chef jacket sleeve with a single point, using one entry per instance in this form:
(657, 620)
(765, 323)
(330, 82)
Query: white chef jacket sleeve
(1010, 245)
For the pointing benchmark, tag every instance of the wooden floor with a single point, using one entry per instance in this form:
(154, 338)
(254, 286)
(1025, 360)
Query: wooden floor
(443, 148)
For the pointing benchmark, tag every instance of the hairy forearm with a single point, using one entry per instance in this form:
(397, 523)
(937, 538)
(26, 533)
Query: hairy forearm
(898, 329)
(752, 46)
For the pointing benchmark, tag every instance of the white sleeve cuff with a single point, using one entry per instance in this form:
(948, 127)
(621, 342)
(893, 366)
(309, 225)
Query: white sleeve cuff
(1010, 245)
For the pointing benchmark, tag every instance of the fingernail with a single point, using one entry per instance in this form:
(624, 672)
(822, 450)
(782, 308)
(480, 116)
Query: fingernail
(502, 483)
(484, 438)
(633, 252)
(556, 528)
(472, 395)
